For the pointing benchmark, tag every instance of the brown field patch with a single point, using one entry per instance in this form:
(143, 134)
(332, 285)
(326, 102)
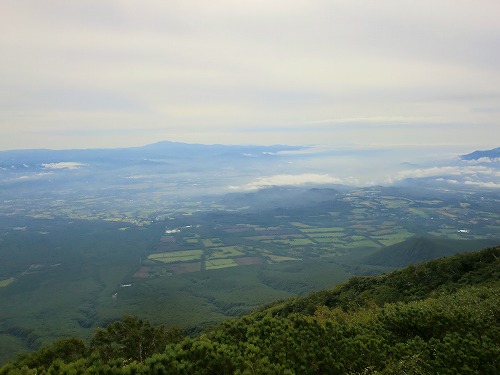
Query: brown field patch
(185, 267)
(143, 272)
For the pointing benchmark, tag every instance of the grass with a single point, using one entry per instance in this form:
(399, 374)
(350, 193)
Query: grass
(433, 202)
(394, 203)
(418, 212)
(318, 230)
(445, 212)
(448, 233)
(220, 263)
(326, 235)
(300, 225)
(211, 242)
(225, 252)
(279, 258)
(4, 283)
(277, 237)
(292, 242)
(392, 238)
(363, 243)
(357, 238)
(387, 241)
(383, 232)
(188, 267)
(177, 256)
(328, 240)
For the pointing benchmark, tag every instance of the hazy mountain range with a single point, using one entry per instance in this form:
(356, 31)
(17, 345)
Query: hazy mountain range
(205, 169)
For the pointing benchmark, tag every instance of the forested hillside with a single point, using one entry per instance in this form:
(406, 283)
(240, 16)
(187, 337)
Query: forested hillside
(439, 317)
(419, 249)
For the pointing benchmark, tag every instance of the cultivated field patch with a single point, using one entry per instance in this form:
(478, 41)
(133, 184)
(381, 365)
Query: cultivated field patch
(220, 263)
(247, 261)
(276, 237)
(211, 242)
(319, 230)
(300, 225)
(292, 242)
(226, 251)
(143, 272)
(280, 258)
(5, 282)
(187, 267)
(177, 256)
(326, 235)
(332, 240)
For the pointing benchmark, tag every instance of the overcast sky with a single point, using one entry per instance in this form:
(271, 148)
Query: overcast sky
(115, 73)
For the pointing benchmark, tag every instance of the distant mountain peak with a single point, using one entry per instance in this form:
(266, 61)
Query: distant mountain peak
(476, 155)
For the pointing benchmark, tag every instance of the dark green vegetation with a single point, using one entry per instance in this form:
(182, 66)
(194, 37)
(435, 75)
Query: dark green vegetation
(64, 273)
(439, 317)
(215, 259)
(419, 249)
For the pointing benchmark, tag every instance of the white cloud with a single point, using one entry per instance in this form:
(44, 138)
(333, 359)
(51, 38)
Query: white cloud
(289, 180)
(454, 182)
(35, 176)
(467, 174)
(447, 171)
(488, 184)
(63, 165)
(483, 160)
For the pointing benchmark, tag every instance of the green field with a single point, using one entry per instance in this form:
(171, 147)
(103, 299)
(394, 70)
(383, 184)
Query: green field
(278, 258)
(225, 252)
(319, 230)
(277, 237)
(300, 225)
(211, 242)
(389, 240)
(291, 242)
(213, 264)
(363, 243)
(6, 282)
(326, 235)
(418, 212)
(177, 256)
(332, 240)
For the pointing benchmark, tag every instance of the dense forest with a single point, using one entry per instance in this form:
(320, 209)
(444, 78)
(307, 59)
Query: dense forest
(438, 317)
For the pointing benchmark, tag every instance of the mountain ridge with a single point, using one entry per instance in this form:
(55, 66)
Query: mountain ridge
(493, 153)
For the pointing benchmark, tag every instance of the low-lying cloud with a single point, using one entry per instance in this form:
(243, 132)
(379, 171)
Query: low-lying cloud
(63, 165)
(447, 171)
(289, 180)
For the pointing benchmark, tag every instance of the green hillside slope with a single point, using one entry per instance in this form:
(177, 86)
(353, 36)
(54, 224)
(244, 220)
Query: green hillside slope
(439, 317)
(421, 249)
(412, 283)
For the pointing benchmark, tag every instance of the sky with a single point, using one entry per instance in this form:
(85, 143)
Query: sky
(119, 73)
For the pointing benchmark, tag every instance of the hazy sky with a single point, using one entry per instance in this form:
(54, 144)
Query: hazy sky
(108, 73)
